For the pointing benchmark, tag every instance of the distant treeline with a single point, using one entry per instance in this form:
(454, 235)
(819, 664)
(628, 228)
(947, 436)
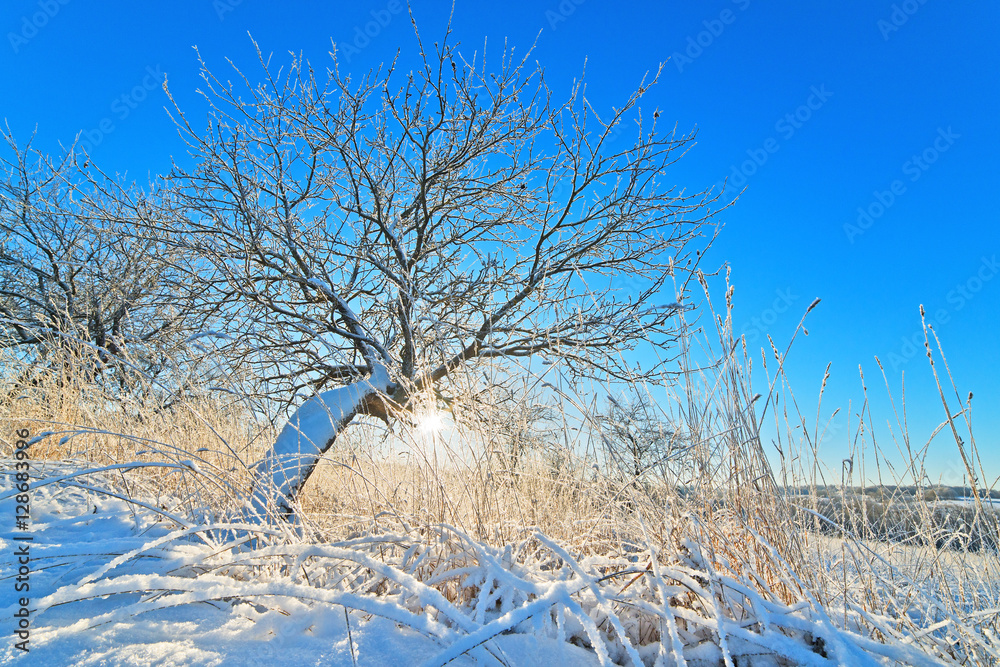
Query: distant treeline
(929, 493)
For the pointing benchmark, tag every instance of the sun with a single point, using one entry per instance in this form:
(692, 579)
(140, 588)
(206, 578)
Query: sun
(430, 422)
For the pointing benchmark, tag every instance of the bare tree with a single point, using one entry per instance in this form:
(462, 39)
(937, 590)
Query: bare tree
(636, 438)
(374, 236)
(531, 427)
(517, 418)
(78, 296)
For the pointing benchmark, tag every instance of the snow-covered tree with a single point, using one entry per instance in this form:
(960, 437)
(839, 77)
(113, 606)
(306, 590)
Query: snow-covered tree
(636, 437)
(78, 296)
(372, 237)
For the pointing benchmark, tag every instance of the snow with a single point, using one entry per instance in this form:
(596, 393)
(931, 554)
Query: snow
(92, 605)
(968, 501)
(114, 582)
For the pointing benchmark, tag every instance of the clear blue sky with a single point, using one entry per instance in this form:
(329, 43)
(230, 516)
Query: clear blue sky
(822, 108)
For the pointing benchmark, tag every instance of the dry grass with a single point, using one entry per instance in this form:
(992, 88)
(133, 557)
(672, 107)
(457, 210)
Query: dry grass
(718, 509)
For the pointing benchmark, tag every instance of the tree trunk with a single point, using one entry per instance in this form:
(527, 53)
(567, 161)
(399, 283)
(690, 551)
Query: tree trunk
(310, 432)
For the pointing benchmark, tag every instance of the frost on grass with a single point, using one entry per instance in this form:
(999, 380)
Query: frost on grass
(116, 583)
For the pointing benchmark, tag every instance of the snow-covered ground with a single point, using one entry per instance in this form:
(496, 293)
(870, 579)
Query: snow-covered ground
(970, 501)
(77, 533)
(111, 583)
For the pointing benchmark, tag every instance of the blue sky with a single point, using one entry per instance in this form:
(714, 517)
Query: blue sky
(865, 134)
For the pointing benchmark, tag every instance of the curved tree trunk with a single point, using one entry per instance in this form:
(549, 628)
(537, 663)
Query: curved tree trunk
(310, 432)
